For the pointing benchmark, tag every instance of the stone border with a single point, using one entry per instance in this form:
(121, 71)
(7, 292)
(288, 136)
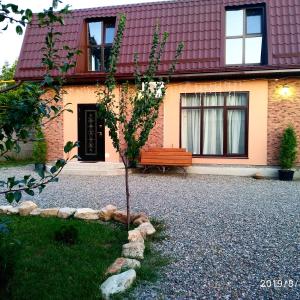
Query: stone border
(122, 271)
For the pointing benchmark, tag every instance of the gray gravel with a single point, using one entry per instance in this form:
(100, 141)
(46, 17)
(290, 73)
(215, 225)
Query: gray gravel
(227, 235)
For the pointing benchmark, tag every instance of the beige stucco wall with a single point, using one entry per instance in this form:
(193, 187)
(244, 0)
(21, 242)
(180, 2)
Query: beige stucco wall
(258, 108)
(84, 95)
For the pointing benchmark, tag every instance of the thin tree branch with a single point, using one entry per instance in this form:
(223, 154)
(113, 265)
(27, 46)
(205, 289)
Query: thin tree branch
(11, 87)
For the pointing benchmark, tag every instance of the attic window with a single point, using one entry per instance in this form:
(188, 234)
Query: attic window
(100, 39)
(245, 37)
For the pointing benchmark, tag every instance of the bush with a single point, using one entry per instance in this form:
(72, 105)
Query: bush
(66, 235)
(39, 154)
(288, 148)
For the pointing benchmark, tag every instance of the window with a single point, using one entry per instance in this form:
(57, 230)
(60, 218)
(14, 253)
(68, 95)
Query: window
(100, 39)
(215, 124)
(245, 37)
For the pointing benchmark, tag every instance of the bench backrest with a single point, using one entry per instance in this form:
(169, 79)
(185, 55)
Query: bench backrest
(166, 157)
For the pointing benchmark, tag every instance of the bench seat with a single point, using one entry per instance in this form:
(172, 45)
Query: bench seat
(166, 157)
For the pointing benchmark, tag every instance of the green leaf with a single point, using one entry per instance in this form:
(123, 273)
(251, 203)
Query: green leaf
(41, 188)
(40, 169)
(69, 146)
(29, 192)
(55, 179)
(53, 170)
(48, 79)
(60, 163)
(10, 197)
(14, 8)
(28, 14)
(5, 28)
(17, 196)
(19, 29)
(11, 182)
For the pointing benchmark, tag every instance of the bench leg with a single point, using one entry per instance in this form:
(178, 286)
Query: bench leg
(184, 172)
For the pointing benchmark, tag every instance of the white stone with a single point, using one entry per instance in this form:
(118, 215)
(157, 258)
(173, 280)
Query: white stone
(86, 214)
(26, 207)
(36, 212)
(66, 212)
(49, 212)
(134, 250)
(107, 212)
(122, 264)
(5, 208)
(117, 284)
(135, 236)
(13, 211)
(146, 229)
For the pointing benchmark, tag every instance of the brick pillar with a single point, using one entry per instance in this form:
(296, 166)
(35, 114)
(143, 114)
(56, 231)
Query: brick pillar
(156, 137)
(54, 135)
(282, 111)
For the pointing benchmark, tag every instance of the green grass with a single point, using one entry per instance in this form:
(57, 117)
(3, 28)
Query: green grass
(15, 162)
(46, 269)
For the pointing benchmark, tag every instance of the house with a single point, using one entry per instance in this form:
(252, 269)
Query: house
(235, 89)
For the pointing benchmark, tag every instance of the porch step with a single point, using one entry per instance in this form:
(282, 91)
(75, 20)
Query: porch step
(237, 170)
(93, 169)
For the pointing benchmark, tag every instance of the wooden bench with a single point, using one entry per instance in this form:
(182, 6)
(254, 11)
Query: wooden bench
(163, 158)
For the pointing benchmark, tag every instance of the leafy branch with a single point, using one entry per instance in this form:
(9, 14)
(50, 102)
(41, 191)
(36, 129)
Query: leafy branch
(28, 184)
(31, 106)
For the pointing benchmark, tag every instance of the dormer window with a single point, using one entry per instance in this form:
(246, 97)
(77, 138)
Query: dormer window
(100, 39)
(245, 36)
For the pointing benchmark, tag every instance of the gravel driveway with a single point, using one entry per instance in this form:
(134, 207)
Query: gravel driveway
(230, 237)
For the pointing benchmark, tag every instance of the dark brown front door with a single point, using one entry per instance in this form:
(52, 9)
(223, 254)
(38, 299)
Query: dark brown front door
(90, 134)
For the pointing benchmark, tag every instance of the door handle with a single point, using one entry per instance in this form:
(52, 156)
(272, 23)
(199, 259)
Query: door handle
(100, 133)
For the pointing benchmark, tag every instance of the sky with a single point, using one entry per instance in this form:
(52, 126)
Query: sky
(10, 42)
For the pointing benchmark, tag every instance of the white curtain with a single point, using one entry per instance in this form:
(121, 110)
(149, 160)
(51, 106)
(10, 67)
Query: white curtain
(191, 130)
(236, 131)
(236, 124)
(213, 100)
(213, 131)
(213, 125)
(236, 99)
(190, 100)
(190, 123)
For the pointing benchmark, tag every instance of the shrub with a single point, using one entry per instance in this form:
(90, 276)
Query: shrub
(288, 148)
(66, 235)
(39, 149)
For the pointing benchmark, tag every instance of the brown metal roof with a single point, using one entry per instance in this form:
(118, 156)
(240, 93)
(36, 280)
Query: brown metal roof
(199, 24)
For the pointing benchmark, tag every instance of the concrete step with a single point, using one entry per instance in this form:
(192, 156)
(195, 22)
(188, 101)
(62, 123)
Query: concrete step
(93, 169)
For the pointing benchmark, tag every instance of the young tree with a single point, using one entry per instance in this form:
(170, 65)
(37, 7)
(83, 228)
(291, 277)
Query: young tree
(34, 105)
(131, 118)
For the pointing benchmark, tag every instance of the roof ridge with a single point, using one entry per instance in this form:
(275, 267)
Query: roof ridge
(129, 5)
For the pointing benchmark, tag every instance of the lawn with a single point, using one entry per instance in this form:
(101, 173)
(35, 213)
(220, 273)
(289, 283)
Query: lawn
(47, 269)
(15, 163)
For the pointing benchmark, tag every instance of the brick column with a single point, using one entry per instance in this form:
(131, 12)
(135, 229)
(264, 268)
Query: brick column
(54, 135)
(156, 137)
(282, 111)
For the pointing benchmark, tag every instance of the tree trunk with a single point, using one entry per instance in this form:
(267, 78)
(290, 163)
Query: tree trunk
(127, 196)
